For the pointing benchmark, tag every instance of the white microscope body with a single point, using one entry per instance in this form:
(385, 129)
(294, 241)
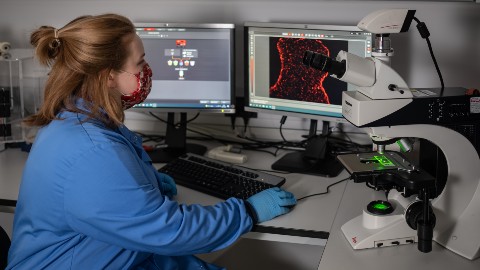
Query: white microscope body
(457, 208)
(385, 106)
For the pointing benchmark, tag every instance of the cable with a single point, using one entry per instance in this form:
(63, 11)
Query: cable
(424, 33)
(175, 125)
(245, 124)
(233, 119)
(206, 135)
(350, 141)
(328, 189)
(282, 122)
(148, 137)
(257, 145)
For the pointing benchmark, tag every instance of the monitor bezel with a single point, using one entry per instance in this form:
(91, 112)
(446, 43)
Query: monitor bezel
(232, 71)
(294, 26)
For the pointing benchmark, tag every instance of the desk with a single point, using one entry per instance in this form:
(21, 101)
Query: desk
(315, 213)
(320, 213)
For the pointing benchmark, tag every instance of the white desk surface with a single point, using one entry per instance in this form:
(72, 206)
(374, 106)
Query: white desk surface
(315, 213)
(320, 213)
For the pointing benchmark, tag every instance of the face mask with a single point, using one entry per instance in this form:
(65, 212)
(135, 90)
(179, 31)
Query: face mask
(144, 79)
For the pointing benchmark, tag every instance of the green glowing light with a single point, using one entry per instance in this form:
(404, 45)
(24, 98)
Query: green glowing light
(380, 206)
(384, 161)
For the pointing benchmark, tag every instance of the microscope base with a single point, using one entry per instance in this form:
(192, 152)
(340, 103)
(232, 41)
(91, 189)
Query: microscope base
(369, 231)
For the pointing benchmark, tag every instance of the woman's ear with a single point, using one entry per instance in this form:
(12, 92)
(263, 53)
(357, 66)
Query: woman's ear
(111, 82)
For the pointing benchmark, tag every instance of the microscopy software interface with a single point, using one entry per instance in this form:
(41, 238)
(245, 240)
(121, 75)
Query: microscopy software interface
(192, 66)
(277, 78)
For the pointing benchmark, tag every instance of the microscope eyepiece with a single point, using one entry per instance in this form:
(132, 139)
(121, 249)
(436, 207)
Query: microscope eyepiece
(324, 63)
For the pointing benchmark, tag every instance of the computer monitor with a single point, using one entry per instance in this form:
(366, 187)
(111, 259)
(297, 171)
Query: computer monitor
(277, 82)
(193, 71)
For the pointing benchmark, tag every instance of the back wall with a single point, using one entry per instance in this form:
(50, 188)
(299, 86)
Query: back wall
(454, 27)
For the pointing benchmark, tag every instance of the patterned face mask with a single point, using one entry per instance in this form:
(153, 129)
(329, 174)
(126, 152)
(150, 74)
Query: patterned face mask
(144, 79)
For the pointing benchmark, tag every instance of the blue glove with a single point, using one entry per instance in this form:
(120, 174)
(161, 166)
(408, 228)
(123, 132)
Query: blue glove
(167, 185)
(271, 203)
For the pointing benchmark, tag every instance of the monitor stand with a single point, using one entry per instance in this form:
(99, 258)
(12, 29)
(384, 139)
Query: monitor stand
(176, 141)
(315, 159)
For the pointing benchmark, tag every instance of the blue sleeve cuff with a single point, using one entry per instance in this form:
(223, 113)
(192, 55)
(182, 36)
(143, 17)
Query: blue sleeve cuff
(251, 212)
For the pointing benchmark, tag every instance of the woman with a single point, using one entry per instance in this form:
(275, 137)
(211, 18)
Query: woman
(90, 197)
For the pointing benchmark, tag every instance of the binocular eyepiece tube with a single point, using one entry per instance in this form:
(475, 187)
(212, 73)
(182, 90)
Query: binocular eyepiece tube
(324, 63)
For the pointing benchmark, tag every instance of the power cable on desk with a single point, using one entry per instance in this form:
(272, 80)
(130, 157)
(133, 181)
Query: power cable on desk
(349, 141)
(175, 125)
(148, 137)
(208, 136)
(337, 142)
(186, 122)
(322, 193)
(257, 145)
(263, 144)
(260, 145)
(341, 147)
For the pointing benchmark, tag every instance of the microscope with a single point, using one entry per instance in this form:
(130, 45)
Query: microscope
(437, 199)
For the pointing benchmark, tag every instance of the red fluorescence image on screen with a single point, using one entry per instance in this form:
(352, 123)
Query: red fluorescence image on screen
(290, 79)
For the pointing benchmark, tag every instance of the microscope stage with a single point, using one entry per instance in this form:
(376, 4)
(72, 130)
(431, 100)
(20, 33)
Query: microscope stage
(374, 162)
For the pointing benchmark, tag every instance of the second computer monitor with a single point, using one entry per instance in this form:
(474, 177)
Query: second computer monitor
(193, 71)
(277, 82)
(192, 64)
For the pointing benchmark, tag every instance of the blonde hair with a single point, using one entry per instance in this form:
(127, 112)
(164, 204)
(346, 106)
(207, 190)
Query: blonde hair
(81, 56)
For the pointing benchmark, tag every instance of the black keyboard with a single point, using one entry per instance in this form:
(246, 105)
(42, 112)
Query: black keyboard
(217, 178)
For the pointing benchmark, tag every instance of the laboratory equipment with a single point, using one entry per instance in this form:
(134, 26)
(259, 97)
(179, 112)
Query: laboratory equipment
(193, 71)
(225, 153)
(5, 50)
(278, 83)
(19, 95)
(440, 198)
(218, 178)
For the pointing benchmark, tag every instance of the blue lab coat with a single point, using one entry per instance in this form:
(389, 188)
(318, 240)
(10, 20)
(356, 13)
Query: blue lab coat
(90, 199)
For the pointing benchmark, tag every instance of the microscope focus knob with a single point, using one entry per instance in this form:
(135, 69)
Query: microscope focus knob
(414, 214)
(423, 224)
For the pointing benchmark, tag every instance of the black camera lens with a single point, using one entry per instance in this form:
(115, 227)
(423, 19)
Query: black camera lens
(324, 63)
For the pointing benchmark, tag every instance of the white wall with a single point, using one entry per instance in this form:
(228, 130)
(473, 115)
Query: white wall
(454, 27)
